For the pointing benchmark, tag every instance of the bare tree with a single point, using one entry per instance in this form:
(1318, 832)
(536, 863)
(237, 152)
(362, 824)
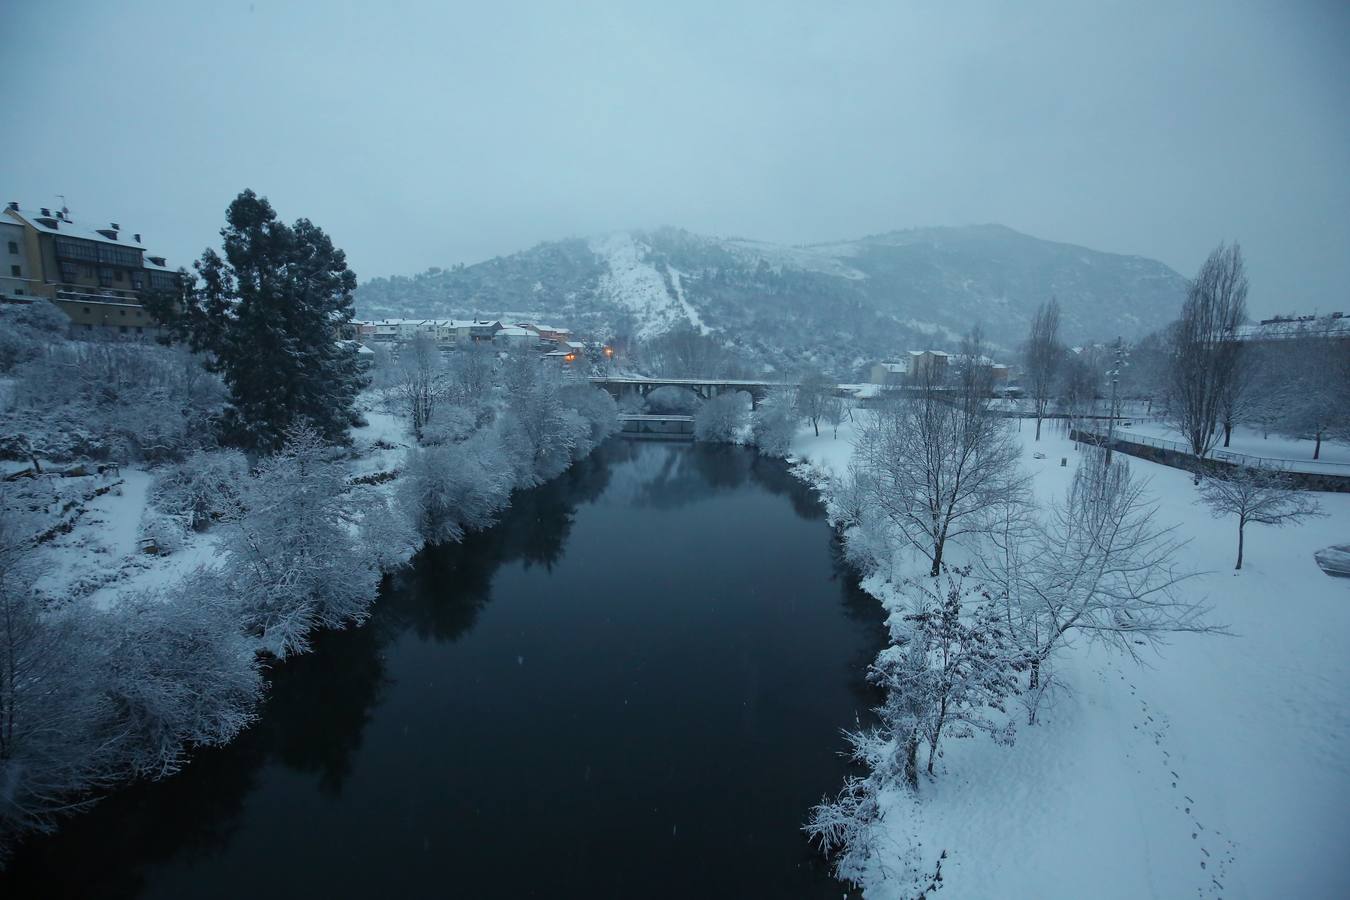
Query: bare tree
(1078, 387)
(1237, 400)
(1319, 361)
(836, 412)
(956, 653)
(420, 385)
(1204, 351)
(814, 393)
(1263, 496)
(937, 463)
(1044, 353)
(1102, 566)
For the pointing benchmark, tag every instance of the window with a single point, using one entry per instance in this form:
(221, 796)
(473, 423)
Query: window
(163, 281)
(105, 276)
(118, 274)
(84, 251)
(69, 271)
(87, 326)
(138, 280)
(119, 255)
(121, 312)
(122, 329)
(16, 271)
(140, 330)
(86, 309)
(14, 247)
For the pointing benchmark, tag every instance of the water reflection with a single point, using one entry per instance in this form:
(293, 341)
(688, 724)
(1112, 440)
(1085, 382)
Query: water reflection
(632, 686)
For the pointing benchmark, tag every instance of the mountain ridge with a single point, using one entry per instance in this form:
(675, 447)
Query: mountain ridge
(836, 304)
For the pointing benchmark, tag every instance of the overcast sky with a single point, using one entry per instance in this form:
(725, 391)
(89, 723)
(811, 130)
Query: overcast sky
(423, 134)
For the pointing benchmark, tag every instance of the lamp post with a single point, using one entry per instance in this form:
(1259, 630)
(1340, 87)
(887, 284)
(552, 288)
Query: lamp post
(1115, 383)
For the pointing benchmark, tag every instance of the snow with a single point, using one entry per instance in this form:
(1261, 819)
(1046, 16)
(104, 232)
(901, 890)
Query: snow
(104, 544)
(824, 259)
(635, 282)
(1218, 769)
(689, 311)
(1294, 453)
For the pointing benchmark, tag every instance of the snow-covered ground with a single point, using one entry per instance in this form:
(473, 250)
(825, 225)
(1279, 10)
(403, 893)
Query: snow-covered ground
(1220, 769)
(635, 282)
(103, 546)
(101, 559)
(1298, 453)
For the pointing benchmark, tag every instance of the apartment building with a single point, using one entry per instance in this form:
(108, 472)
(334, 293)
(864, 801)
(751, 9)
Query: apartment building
(95, 274)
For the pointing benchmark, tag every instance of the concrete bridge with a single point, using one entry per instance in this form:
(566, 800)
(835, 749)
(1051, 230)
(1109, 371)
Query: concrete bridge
(707, 388)
(657, 426)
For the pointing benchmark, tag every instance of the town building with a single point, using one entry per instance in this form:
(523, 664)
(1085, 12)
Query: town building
(889, 373)
(926, 365)
(514, 336)
(96, 275)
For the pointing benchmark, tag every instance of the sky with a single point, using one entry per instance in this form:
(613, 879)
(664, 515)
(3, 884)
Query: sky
(421, 134)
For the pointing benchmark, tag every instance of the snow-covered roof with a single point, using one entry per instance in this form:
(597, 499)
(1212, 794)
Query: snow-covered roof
(516, 331)
(70, 228)
(151, 264)
(896, 368)
(1285, 327)
(576, 345)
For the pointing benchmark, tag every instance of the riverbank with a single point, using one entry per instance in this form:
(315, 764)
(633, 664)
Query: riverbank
(529, 693)
(1216, 769)
(146, 612)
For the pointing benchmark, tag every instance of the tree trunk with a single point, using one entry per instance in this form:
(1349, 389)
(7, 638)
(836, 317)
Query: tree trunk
(912, 761)
(1317, 449)
(937, 560)
(816, 425)
(1241, 526)
(1038, 428)
(1227, 433)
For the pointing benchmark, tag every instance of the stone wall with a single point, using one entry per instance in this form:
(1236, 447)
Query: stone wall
(1308, 481)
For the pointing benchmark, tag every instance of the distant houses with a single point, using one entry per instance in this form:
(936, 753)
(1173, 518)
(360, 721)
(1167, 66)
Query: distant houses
(917, 367)
(553, 343)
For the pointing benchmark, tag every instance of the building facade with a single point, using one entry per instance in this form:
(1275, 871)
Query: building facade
(95, 275)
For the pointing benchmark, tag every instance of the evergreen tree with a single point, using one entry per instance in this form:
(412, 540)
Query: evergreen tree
(270, 313)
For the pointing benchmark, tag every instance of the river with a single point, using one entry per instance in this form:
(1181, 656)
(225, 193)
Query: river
(633, 686)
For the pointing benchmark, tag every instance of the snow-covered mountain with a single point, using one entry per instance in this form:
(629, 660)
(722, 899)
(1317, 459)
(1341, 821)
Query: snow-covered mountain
(841, 304)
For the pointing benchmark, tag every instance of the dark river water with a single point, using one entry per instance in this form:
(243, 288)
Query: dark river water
(632, 687)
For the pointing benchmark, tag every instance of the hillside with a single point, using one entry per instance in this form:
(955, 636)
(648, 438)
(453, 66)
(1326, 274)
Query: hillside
(841, 304)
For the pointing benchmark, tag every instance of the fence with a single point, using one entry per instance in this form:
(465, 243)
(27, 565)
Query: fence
(1333, 477)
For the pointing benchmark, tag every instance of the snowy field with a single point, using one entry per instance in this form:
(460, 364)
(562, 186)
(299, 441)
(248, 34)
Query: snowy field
(100, 559)
(1218, 770)
(1334, 458)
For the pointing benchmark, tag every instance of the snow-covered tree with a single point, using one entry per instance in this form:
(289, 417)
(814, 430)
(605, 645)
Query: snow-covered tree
(1100, 565)
(449, 489)
(937, 466)
(1318, 363)
(27, 330)
(814, 393)
(56, 742)
(270, 313)
(533, 397)
(419, 384)
(1043, 357)
(952, 661)
(1260, 496)
(293, 561)
(774, 424)
(179, 673)
(201, 491)
(723, 418)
